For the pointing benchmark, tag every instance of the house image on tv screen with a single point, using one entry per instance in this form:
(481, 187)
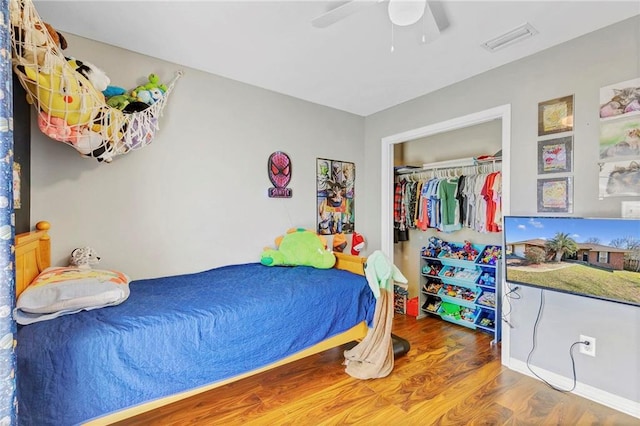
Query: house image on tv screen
(590, 253)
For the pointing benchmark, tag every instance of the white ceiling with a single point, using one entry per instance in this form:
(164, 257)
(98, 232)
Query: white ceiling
(349, 65)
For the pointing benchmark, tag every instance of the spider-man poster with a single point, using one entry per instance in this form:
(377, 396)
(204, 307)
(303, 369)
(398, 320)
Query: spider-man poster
(279, 170)
(335, 192)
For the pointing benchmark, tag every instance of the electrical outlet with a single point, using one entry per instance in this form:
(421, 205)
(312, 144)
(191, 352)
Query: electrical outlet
(589, 349)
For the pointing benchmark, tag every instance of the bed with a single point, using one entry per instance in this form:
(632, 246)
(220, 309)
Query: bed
(180, 335)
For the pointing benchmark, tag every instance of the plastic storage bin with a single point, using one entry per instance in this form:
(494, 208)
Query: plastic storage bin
(490, 255)
(487, 277)
(486, 320)
(458, 314)
(487, 298)
(432, 286)
(432, 304)
(463, 296)
(457, 275)
(460, 255)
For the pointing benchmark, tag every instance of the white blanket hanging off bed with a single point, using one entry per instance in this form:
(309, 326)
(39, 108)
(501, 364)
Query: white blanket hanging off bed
(70, 109)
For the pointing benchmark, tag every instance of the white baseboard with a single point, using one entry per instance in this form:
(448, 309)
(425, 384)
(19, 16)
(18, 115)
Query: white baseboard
(610, 400)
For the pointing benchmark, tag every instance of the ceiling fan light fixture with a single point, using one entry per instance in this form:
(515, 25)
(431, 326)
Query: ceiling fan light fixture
(406, 12)
(520, 33)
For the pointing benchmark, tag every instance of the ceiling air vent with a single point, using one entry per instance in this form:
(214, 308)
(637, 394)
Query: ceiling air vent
(517, 34)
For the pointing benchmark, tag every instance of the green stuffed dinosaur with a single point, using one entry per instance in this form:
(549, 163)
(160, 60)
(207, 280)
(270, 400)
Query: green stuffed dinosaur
(299, 247)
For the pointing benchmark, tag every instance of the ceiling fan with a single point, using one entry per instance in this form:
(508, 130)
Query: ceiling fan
(401, 13)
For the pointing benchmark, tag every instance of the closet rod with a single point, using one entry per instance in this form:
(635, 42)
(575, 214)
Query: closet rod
(476, 165)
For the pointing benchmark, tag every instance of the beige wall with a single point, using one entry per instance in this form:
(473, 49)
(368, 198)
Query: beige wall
(197, 196)
(579, 67)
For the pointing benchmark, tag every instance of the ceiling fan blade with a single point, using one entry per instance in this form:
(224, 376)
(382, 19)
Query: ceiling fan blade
(431, 28)
(341, 12)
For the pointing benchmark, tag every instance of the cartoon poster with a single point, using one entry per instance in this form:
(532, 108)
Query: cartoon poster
(335, 183)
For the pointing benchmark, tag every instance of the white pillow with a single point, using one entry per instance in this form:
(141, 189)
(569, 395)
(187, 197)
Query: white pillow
(66, 290)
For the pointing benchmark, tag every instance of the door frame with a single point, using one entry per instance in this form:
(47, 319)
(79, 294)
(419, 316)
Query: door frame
(503, 113)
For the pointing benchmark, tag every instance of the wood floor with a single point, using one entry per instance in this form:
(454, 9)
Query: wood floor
(451, 376)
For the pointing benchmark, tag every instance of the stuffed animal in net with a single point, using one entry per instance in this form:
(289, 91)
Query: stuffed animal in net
(33, 40)
(83, 258)
(299, 247)
(148, 96)
(154, 83)
(150, 92)
(111, 91)
(97, 77)
(59, 93)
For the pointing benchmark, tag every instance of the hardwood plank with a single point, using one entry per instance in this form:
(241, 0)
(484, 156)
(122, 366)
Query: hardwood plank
(451, 375)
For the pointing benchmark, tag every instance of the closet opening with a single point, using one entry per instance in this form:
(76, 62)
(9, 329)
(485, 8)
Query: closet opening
(444, 148)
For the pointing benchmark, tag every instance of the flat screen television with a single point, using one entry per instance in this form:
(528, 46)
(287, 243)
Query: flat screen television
(592, 257)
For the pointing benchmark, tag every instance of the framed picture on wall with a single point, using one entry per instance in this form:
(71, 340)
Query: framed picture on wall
(620, 99)
(555, 155)
(555, 195)
(335, 182)
(619, 179)
(620, 138)
(555, 116)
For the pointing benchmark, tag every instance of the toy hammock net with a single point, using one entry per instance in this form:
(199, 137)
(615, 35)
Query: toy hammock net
(71, 108)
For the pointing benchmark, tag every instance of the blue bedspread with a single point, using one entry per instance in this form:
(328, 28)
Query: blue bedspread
(177, 333)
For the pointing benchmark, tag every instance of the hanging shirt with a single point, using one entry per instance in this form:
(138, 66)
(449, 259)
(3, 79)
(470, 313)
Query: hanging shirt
(410, 197)
(480, 219)
(397, 202)
(434, 205)
(496, 194)
(449, 208)
(418, 205)
(423, 215)
(460, 198)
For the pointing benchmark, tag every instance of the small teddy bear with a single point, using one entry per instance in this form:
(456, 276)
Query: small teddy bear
(83, 258)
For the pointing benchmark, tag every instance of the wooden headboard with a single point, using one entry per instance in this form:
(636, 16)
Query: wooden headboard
(33, 255)
(350, 263)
